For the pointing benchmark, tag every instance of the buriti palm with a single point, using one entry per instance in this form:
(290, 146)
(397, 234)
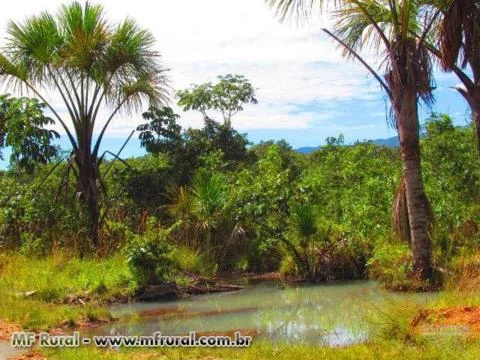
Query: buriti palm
(91, 65)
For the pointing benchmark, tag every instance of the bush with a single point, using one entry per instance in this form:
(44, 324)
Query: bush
(188, 260)
(150, 258)
(288, 266)
(392, 265)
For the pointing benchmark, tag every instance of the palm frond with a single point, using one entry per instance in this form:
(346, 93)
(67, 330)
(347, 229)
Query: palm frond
(363, 23)
(86, 34)
(295, 9)
(459, 38)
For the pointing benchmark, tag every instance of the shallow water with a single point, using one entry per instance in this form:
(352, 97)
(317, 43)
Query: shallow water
(334, 314)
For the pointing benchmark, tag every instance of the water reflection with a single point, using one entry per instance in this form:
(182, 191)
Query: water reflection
(327, 314)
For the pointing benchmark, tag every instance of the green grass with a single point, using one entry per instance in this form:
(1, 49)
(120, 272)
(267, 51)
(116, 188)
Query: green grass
(55, 280)
(441, 349)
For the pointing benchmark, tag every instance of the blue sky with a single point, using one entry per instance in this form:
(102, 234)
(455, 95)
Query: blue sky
(306, 90)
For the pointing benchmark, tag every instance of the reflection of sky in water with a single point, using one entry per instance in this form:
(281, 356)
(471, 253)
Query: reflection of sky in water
(329, 314)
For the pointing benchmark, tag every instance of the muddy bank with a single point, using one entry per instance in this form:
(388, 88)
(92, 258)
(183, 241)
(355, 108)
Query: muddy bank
(461, 317)
(196, 285)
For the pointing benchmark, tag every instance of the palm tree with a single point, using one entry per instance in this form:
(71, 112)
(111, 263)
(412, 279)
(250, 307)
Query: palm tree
(304, 220)
(90, 64)
(209, 204)
(390, 28)
(459, 46)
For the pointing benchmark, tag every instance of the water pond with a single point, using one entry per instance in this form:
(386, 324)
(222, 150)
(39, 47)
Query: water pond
(336, 314)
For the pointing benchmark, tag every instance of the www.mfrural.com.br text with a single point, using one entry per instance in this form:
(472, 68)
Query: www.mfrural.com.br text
(27, 339)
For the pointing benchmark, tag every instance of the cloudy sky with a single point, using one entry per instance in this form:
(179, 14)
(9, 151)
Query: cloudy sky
(306, 91)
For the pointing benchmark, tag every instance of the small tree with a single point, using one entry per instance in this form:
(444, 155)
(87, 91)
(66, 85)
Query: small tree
(228, 96)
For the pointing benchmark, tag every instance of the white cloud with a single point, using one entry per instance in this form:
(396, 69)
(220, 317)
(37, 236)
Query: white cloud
(292, 67)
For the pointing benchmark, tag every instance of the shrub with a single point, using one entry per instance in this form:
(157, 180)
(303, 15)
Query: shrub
(288, 266)
(150, 258)
(188, 260)
(392, 264)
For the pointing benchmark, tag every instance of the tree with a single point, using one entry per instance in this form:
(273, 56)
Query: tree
(185, 148)
(22, 127)
(90, 64)
(161, 133)
(228, 96)
(390, 27)
(459, 47)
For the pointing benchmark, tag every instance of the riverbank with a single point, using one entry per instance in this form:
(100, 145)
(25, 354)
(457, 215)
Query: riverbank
(58, 294)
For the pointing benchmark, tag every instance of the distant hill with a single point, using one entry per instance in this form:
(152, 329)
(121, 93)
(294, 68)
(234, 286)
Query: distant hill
(390, 142)
(308, 149)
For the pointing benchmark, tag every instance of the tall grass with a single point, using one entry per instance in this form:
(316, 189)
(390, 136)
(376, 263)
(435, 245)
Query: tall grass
(37, 292)
(445, 349)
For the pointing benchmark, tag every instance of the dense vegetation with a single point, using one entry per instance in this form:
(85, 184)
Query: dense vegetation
(79, 226)
(325, 215)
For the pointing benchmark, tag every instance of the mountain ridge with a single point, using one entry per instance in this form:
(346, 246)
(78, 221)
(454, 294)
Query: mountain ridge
(391, 142)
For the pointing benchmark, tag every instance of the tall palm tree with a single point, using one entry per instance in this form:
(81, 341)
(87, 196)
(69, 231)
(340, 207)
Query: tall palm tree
(459, 46)
(90, 64)
(390, 28)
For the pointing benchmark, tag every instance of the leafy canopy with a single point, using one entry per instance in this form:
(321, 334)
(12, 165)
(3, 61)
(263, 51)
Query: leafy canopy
(228, 96)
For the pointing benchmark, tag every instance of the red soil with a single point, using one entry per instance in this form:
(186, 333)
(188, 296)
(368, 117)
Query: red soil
(31, 355)
(7, 329)
(468, 316)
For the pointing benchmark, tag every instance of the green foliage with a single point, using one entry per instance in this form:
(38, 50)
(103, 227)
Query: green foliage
(209, 192)
(305, 218)
(190, 149)
(22, 128)
(354, 186)
(452, 172)
(150, 257)
(323, 215)
(228, 96)
(393, 264)
(191, 261)
(36, 216)
(141, 185)
(161, 133)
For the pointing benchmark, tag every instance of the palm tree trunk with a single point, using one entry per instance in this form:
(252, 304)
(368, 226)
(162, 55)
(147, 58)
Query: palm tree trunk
(417, 202)
(87, 188)
(476, 119)
(472, 96)
(475, 106)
